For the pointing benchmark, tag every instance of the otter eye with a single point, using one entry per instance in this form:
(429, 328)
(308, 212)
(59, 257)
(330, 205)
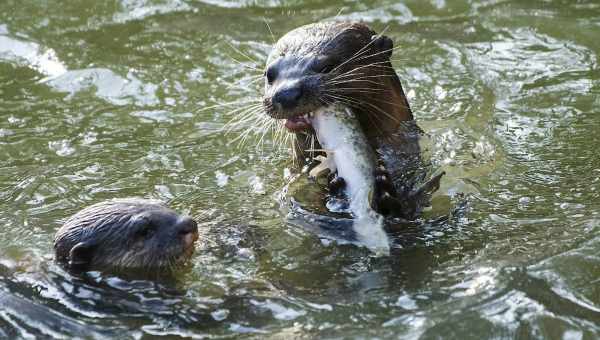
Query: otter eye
(145, 229)
(270, 74)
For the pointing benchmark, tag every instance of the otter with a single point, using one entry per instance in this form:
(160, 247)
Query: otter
(130, 234)
(348, 63)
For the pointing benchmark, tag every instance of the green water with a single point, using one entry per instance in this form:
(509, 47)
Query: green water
(105, 99)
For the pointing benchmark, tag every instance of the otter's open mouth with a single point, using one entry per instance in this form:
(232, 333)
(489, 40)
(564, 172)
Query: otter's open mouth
(298, 123)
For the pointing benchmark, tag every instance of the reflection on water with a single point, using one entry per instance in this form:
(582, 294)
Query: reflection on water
(117, 99)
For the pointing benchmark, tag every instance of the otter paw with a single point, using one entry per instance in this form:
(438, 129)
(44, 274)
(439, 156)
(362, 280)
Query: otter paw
(383, 181)
(384, 199)
(387, 204)
(336, 185)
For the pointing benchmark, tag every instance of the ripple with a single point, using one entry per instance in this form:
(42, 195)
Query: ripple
(31, 54)
(505, 90)
(62, 147)
(108, 86)
(140, 9)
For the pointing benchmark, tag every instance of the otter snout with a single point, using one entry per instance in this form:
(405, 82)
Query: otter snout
(186, 225)
(291, 88)
(187, 228)
(288, 97)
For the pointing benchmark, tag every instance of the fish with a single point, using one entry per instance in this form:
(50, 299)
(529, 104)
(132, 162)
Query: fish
(349, 153)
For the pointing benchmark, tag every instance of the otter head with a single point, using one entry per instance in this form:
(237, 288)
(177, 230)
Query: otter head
(324, 63)
(126, 234)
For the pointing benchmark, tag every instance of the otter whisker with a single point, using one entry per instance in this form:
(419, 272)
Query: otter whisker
(361, 67)
(290, 139)
(372, 120)
(391, 103)
(319, 150)
(362, 104)
(254, 77)
(376, 83)
(244, 64)
(349, 76)
(358, 89)
(295, 147)
(272, 130)
(242, 117)
(338, 14)
(241, 139)
(286, 138)
(352, 75)
(394, 119)
(249, 121)
(247, 131)
(383, 66)
(371, 117)
(378, 76)
(340, 97)
(243, 109)
(357, 79)
(379, 53)
(312, 146)
(242, 120)
(264, 130)
(399, 61)
(344, 100)
(380, 100)
(278, 134)
(263, 124)
(270, 31)
(242, 54)
(244, 83)
(324, 101)
(258, 78)
(232, 103)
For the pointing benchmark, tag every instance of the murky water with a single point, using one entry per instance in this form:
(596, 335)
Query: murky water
(109, 99)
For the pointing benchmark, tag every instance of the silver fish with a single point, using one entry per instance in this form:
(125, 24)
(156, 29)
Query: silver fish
(349, 153)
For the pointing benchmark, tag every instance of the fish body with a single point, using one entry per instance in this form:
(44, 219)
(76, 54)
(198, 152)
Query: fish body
(349, 153)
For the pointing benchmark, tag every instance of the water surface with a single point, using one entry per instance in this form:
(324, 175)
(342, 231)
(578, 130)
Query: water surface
(116, 99)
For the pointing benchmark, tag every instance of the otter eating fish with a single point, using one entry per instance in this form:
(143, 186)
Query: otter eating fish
(343, 69)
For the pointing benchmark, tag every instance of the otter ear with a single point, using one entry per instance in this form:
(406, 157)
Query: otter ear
(81, 255)
(384, 44)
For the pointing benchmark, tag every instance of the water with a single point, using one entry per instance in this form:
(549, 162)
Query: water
(108, 99)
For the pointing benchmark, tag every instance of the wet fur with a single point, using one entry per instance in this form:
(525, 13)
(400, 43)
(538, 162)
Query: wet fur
(119, 234)
(348, 63)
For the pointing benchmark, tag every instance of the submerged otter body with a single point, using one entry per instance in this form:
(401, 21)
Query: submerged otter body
(126, 234)
(322, 64)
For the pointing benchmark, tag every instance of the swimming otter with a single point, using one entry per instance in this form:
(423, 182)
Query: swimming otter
(346, 63)
(126, 234)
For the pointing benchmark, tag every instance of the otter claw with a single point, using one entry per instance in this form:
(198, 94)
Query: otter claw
(384, 200)
(383, 181)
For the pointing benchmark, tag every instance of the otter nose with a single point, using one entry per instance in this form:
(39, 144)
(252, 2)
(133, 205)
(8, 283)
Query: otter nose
(288, 97)
(187, 225)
